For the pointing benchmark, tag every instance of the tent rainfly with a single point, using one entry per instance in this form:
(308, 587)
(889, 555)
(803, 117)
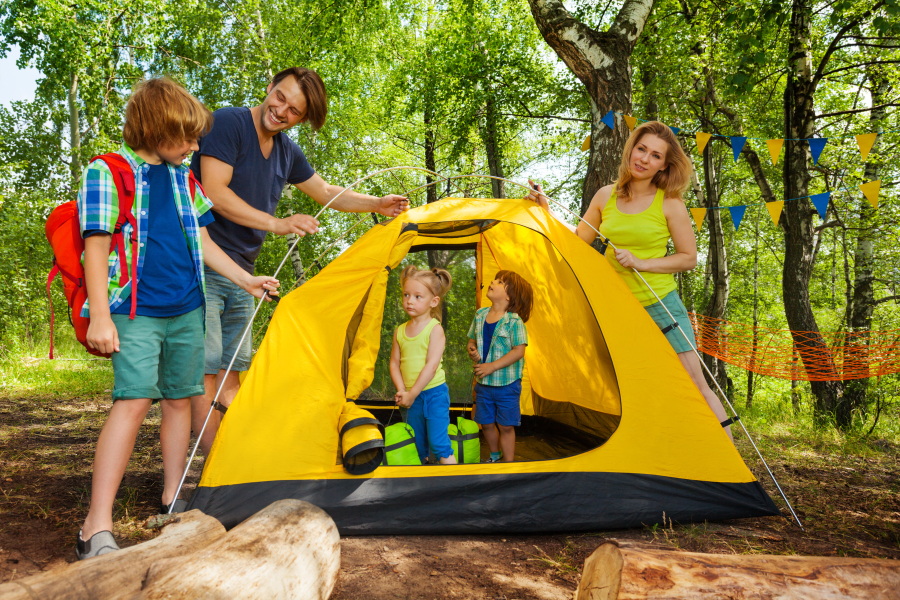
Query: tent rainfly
(596, 363)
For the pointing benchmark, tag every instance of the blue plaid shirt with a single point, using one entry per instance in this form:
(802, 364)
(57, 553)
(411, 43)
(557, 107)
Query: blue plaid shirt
(98, 210)
(509, 333)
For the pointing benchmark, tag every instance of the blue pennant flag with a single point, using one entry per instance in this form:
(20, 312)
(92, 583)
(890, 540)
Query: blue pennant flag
(815, 147)
(609, 119)
(737, 144)
(675, 130)
(820, 201)
(737, 215)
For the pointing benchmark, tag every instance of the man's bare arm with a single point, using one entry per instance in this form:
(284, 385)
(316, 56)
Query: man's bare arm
(351, 201)
(216, 177)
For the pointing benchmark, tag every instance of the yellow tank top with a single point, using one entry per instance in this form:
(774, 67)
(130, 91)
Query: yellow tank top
(412, 356)
(645, 235)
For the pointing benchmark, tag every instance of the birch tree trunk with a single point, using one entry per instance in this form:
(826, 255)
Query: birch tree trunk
(74, 131)
(863, 303)
(797, 218)
(601, 60)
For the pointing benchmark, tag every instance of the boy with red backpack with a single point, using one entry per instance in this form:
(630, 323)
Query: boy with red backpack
(145, 289)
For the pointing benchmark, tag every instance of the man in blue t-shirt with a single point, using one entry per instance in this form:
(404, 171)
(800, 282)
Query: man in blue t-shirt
(243, 165)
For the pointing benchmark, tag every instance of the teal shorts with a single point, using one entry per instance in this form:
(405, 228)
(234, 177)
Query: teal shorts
(159, 357)
(673, 302)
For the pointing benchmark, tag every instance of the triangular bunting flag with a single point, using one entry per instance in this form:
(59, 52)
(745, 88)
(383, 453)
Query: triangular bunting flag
(698, 214)
(774, 209)
(815, 147)
(630, 121)
(675, 130)
(820, 201)
(586, 145)
(609, 119)
(865, 143)
(871, 190)
(774, 149)
(702, 140)
(737, 215)
(737, 144)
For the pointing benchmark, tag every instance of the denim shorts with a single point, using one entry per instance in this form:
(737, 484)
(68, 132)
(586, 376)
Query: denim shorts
(429, 416)
(498, 404)
(159, 357)
(673, 302)
(228, 312)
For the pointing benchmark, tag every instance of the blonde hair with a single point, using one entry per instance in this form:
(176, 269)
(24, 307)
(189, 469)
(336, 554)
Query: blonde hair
(162, 113)
(674, 179)
(438, 282)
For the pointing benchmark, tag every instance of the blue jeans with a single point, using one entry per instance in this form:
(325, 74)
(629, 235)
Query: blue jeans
(429, 416)
(228, 312)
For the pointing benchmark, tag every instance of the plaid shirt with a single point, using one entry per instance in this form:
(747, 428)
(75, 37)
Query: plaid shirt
(509, 333)
(98, 209)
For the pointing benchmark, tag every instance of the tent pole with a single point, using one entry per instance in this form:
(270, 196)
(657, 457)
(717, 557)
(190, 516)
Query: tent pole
(249, 326)
(696, 352)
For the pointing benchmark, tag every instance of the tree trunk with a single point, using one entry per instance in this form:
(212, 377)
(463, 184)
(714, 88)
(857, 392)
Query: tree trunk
(74, 132)
(718, 261)
(290, 550)
(620, 571)
(493, 149)
(797, 216)
(863, 303)
(750, 374)
(118, 574)
(601, 60)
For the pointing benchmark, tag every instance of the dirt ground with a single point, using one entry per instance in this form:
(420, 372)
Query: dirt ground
(850, 506)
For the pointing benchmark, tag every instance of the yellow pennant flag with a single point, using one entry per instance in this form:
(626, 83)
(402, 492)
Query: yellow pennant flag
(775, 209)
(698, 214)
(702, 140)
(774, 149)
(865, 143)
(630, 121)
(586, 145)
(871, 191)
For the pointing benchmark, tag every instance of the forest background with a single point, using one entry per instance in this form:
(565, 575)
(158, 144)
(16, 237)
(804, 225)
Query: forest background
(511, 88)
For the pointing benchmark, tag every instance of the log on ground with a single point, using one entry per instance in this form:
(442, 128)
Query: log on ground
(117, 574)
(620, 571)
(291, 549)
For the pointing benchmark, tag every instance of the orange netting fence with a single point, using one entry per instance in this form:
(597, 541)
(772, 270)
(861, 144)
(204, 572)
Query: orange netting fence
(812, 356)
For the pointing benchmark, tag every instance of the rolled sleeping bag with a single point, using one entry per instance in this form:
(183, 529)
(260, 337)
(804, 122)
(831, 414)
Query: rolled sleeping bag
(465, 440)
(362, 440)
(400, 446)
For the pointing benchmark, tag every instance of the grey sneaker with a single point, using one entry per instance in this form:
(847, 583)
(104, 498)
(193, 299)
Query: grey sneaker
(179, 506)
(100, 543)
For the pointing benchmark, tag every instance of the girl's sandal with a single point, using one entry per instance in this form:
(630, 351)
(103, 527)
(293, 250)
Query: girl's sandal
(100, 543)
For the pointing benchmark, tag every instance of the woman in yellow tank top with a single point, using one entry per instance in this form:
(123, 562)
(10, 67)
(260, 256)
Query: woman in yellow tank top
(639, 213)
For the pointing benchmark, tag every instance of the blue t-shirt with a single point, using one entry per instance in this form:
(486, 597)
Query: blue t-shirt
(256, 180)
(487, 334)
(168, 286)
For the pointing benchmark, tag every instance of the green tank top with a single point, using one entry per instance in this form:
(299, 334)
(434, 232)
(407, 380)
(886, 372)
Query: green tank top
(646, 235)
(412, 356)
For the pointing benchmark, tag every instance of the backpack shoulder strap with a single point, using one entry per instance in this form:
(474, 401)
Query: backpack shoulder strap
(194, 184)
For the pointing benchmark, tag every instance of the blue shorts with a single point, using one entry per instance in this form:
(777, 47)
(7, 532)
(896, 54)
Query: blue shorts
(228, 312)
(429, 416)
(498, 404)
(673, 302)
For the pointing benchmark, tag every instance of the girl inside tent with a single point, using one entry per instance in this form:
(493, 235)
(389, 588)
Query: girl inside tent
(639, 213)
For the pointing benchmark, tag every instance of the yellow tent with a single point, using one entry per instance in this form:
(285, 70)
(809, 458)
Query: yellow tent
(596, 362)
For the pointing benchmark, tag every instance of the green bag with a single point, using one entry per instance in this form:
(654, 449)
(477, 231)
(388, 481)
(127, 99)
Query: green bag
(465, 441)
(400, 446)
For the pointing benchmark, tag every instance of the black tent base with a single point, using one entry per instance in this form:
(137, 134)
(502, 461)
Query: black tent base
(507, 503)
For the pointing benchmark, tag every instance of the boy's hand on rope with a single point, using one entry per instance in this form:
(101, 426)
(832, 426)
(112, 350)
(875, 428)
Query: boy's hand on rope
(472, 349)
(484, 369)
(258, 286)
(628, 260)
(404, 399)
(392, 205)
(102, 335)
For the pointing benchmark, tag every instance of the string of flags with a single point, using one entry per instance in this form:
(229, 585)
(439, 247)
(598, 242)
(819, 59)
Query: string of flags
(870, 190)
(865, 142)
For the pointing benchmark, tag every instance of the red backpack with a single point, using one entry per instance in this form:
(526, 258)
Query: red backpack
(64, 234)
